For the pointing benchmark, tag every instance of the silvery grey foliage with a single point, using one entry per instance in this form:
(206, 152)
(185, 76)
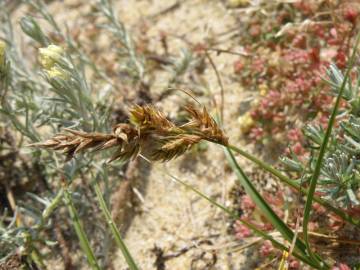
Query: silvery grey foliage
(339, 181)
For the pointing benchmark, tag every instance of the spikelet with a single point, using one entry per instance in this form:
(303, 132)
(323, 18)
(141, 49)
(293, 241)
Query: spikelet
(73, 142)
(167, 148)
(130, 147)
(162, 140)
(202, 123)
(148, 119)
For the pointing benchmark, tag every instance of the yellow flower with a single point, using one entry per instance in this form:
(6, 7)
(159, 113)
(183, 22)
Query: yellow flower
(49, 55)
(246, 122)
(56, 72)
(2, 51)
(263, 89)
(238, 3)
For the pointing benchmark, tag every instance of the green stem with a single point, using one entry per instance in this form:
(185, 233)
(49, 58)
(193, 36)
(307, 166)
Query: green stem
(130, 261)
(84, 242)
(36, 257)
(261, 203)
(317, 170)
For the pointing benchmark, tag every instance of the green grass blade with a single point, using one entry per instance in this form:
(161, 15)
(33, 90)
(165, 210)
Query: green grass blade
(266, 210)
(84, 242)
(353, 220)
(322, 151)
(252, 227)
(115, 232)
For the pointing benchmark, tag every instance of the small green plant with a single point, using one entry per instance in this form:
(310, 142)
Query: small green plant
(339, 176)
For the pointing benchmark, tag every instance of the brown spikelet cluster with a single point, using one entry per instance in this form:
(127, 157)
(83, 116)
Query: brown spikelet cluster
(172, 147)
(204, 124)
(149, 132)
(148, 119)
(124, 137)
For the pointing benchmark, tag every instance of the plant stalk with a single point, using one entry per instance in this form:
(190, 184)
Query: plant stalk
(115, 232)
(84, 242)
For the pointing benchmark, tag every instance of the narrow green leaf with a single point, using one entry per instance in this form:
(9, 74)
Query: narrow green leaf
(266, 210)
(115, 232)
(84, 242)
(322, 151)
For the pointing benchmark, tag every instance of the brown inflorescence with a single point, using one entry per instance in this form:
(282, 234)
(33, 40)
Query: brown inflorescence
(149, 133)
(123, 137)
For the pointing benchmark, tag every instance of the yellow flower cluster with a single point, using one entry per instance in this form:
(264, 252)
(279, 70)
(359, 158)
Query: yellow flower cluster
(48, 57)
(57, 72)
(246, 122)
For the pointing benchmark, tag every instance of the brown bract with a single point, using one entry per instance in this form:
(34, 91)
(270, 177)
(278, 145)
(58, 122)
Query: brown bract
(150, 133)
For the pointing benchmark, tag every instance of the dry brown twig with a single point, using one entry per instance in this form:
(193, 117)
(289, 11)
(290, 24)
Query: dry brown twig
(149, 132)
